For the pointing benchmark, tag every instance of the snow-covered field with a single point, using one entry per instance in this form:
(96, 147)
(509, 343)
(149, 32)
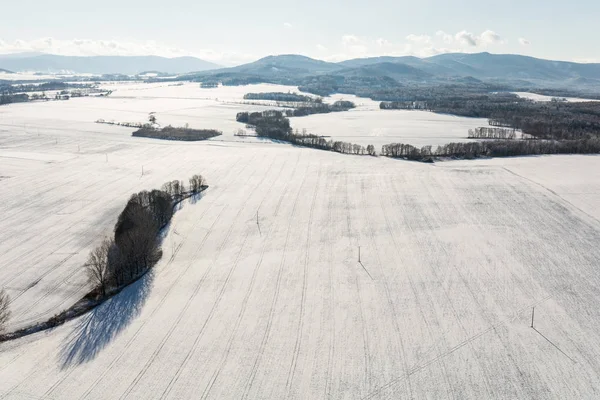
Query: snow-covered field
(453, 257)
(541, 97)
(366, 124)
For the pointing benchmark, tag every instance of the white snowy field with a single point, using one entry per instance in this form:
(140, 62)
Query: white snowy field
(216, 108)
(541, 97)
(379, 127)
(454, 256)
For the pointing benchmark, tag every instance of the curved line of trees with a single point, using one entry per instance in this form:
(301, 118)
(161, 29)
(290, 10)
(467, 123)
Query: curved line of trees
(273, 124)
(118, 261)
(135, 247)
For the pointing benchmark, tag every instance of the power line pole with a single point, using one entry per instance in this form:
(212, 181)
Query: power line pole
(358, 253)
(532, 315)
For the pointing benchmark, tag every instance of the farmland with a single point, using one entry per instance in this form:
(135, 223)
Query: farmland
(260, 292)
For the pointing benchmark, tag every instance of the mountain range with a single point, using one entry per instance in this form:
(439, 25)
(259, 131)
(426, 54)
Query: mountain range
(127, 65)
(517, 70)
(478, 66)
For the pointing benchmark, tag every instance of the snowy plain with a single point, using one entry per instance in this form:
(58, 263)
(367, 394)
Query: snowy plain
(541, 97)
(454, 256)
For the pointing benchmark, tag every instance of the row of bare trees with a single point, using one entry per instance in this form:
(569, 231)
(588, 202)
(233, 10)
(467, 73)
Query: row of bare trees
(492, 133)
(135, 247)
(494, 148)
(4, 310)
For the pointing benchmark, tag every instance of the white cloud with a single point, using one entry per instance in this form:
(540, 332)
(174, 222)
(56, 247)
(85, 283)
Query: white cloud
(423, 39)
(469, 39)
(88, 47)
(287, 25)
(420, 45)
(524, 42)
(354, 45)
(466, 38)
(381, 42)
(320, 47)
(350, 40)
(446, 37)
(490, 37)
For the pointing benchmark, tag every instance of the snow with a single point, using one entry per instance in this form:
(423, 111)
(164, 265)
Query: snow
(36, 76)
(541, 97)
(454, 256)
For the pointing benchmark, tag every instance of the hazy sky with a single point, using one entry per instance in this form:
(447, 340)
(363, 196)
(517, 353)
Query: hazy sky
(231, 32)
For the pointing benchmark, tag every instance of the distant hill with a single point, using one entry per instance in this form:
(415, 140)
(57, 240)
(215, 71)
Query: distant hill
(397, 71)
(5, 71)
(128, 65)
(283, 65)
(509, 66)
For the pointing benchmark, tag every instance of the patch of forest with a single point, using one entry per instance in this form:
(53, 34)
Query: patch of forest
(544, 120)
(174, 133)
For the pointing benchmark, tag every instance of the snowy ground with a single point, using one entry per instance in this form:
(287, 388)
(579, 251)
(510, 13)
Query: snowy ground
(366, 124)
(454, 256)
(541, 97)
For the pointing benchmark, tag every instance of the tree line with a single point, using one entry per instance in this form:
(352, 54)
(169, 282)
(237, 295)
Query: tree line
(13, 98)
(4, 310)
(492, 133)
(274, 124)
(493, 148)
(543, 120)
(135, 246)
(280, 96)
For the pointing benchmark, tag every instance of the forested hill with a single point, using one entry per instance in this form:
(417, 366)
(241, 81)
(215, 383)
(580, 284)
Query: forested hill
(458, 68)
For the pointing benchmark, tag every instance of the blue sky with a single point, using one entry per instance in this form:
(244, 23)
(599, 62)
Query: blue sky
(231, 32)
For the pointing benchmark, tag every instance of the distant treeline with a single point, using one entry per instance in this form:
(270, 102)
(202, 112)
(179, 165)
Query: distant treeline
(13, 98)
(42, 87)
(275, 125)
(279, 96)
(543, 120)
(492, 133)
(127, 124)
(173, 133)
(495, 148)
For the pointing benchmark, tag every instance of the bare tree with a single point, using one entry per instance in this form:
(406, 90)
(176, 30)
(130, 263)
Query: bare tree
(4, 311)
(196, 183)
(97, 268)
(371, 150)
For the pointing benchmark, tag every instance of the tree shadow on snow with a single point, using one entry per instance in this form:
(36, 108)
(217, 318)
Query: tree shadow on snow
(193, 199)
(96, 329)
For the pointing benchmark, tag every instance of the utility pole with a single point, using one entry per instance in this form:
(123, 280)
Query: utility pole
(106, 154)
(142, 170)
(358, 253)
(532, 316)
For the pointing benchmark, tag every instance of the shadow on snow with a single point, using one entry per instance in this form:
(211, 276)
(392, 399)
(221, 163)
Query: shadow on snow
(96, 329)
